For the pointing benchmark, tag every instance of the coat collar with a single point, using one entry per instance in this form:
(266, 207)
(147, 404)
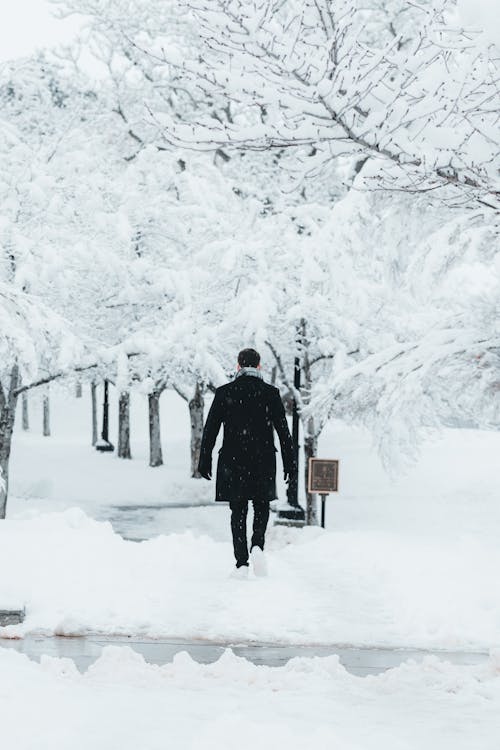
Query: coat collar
(252, 371)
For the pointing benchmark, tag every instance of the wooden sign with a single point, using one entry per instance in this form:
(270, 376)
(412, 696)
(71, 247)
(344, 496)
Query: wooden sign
(323, 476)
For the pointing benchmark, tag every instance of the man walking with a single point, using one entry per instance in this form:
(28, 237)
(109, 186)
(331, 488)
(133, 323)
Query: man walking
(249, 409)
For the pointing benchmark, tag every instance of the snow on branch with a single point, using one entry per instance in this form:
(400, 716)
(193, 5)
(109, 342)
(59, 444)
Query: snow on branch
(423, 104)
(448, 377)
(33, 337)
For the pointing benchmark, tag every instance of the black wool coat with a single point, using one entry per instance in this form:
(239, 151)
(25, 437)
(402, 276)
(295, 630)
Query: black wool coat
(249, 409)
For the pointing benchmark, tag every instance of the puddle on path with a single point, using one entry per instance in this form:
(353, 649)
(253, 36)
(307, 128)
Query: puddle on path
(140, 522)
(359, 661)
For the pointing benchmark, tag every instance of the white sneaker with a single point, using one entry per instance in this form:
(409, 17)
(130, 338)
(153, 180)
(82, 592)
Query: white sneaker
(241, 573)
(259, 563)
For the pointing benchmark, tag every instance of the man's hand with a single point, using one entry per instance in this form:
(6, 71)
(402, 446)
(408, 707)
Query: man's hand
(205, 470)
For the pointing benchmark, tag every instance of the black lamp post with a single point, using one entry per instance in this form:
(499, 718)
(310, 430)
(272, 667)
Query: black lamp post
(104, 444)
(294, 514)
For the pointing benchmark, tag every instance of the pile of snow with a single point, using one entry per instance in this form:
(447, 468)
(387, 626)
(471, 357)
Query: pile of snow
(74, 576)
(123, 702)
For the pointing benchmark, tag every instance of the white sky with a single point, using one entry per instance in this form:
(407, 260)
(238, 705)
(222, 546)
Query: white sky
(482, 14)
(26, 25)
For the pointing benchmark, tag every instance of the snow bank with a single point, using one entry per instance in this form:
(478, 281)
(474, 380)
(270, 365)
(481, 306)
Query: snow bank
(121, 701)
(74, 575)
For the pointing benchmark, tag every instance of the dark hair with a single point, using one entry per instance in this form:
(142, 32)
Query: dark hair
(248, 358)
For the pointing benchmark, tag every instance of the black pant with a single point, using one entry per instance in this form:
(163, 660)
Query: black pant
(239, 510)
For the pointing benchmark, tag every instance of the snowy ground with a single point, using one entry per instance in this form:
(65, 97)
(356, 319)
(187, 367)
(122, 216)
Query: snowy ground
(64, 470)
(122, 702)
(453, 489)
(74, 575)
(407, 563)
(410, 563)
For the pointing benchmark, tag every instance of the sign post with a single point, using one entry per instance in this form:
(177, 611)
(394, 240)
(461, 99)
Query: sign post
(323, 479)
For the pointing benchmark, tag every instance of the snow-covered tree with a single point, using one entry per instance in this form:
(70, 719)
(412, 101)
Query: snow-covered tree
(422, 106)
(147, 248)
(185, 223)
(32, 340)
(51, 218)
(143, 89)
(432, 350)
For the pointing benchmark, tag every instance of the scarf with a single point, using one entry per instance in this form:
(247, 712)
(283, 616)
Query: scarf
(253, 371)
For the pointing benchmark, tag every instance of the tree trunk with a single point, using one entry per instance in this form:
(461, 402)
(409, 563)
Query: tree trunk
(310, 451)
(46, 414)
(155, 454)
(196, 405)
(124, 425)
(78, 389)
(6, 428)
(8, 403)
(26, 418)
(93, 395)
(310, 437)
